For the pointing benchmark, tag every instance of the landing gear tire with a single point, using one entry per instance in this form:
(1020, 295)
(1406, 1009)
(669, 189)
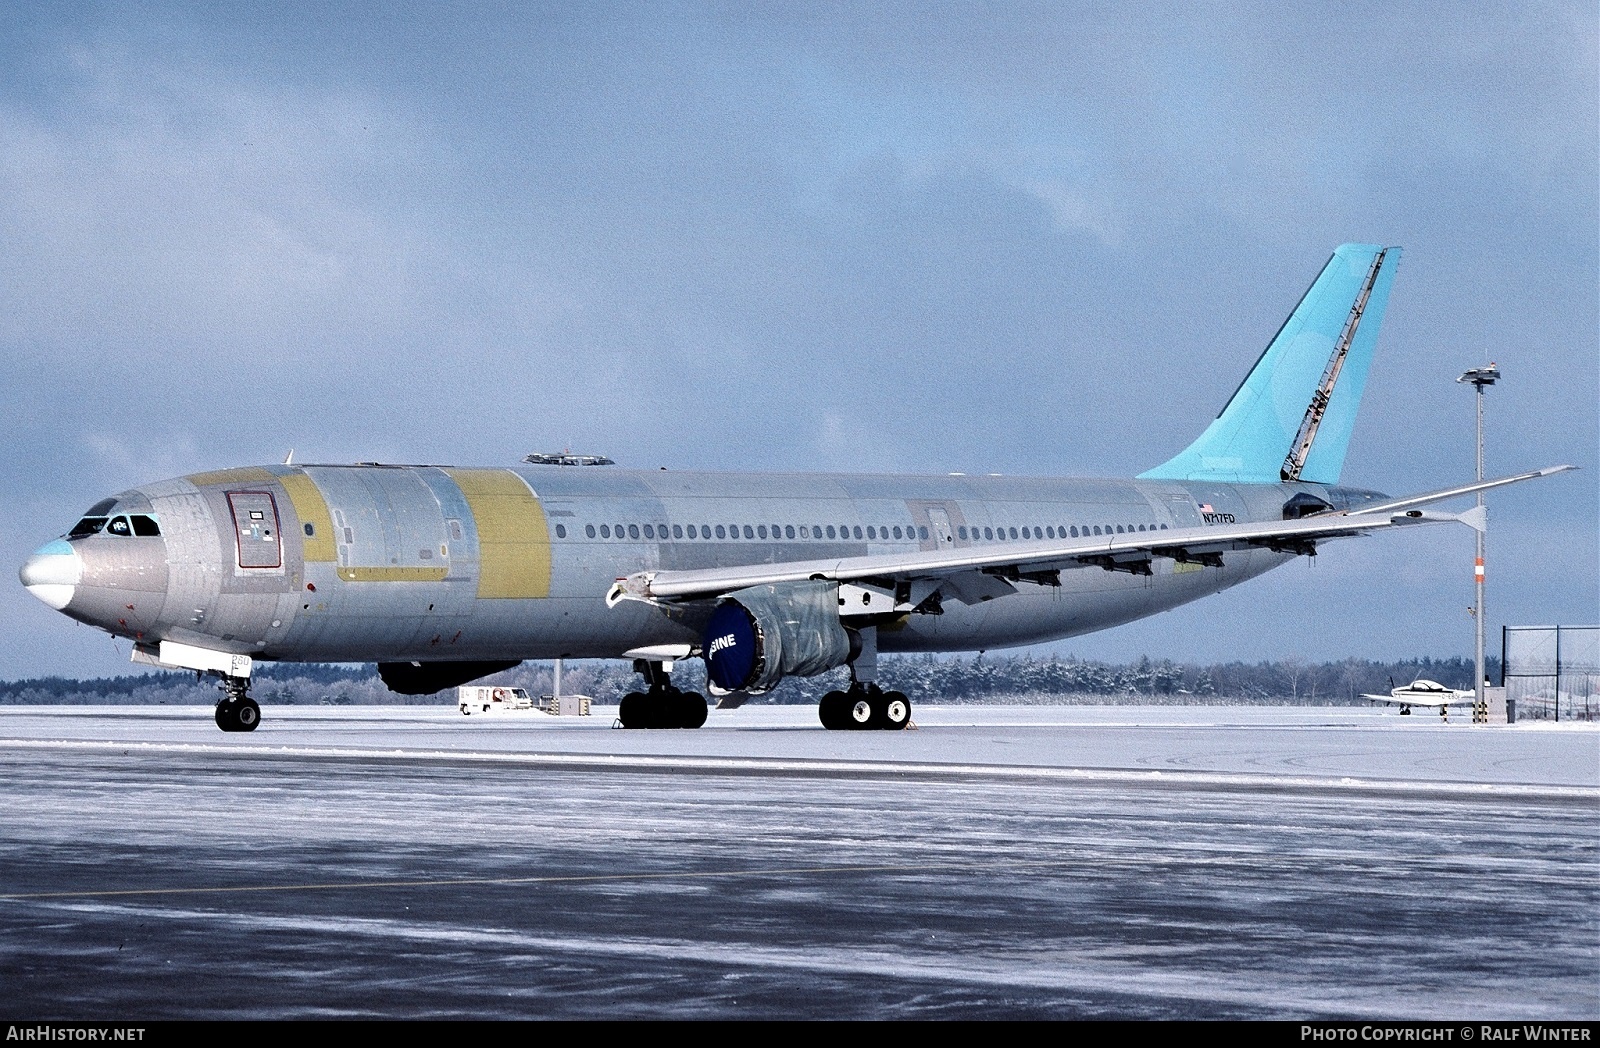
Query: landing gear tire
(241, 714)
(834, 711)
(633, 711)
(896, 711)
(246, 715)
(663, 708)
(691, 709)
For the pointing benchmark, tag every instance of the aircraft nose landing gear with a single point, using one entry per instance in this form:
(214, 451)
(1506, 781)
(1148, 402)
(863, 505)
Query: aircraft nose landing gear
(236, 710)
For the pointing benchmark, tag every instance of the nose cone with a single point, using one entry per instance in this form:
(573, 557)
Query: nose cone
(52, 574)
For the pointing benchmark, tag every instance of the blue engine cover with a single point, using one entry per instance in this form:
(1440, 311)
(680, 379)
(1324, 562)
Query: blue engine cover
(732, 647)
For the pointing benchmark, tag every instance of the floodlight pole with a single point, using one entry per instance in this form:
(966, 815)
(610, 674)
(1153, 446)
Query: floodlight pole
(1480, 379)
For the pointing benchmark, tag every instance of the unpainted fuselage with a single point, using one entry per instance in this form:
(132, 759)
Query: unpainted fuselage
(424, 563)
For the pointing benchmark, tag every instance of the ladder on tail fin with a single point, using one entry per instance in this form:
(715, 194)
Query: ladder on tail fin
(1295, 461)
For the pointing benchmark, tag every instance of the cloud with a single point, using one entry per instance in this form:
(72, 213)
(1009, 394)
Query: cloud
(1043, 239)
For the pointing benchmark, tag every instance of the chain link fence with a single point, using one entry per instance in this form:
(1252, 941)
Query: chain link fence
(1551, 672)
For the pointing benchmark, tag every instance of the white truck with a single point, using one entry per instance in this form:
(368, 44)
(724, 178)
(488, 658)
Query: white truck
(479, 699)
(476, 698)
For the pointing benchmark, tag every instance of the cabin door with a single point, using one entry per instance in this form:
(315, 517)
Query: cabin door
(255, 525)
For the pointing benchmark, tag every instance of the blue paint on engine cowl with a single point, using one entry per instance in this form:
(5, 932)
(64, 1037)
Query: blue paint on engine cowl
(731, 647)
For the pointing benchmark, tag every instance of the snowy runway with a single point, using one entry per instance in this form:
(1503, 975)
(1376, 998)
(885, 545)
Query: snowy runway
(1000, 862)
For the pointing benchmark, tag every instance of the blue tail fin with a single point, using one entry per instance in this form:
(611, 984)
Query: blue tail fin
(1291, 417)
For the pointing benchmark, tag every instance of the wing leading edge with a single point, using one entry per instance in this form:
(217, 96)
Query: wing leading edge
(974, 574)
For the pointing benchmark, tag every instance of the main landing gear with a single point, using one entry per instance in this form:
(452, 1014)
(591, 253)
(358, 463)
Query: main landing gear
(236, 710)
(865, 705)
(661, 705)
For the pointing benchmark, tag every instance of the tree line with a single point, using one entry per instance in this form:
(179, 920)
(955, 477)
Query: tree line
(983, 678)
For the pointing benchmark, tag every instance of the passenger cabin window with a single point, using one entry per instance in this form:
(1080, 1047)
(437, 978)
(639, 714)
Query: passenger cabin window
(788, 531)
(561, 531)
(605, 531)
(588, 530)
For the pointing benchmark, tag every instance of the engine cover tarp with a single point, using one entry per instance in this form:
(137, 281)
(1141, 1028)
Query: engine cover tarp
(788, 629)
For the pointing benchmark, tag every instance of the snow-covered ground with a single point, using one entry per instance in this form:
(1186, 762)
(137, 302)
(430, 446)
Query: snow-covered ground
(1302, 742)
(1038, 862)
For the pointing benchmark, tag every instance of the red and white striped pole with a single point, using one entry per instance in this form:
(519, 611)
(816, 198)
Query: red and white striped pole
(1480, 378)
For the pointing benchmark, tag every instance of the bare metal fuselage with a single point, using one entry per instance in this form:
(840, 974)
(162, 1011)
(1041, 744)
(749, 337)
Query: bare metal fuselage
(425, 563)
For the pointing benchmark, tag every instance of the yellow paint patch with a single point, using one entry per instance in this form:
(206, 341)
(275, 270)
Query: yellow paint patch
(513, 535)
(311, 508)
(1181, 568)
(393, 574)
(242, 475)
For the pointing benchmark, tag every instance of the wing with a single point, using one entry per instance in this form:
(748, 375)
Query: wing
(973, 574)
(1433, 701)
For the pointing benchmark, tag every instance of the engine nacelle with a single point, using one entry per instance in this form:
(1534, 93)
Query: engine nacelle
(760, 635)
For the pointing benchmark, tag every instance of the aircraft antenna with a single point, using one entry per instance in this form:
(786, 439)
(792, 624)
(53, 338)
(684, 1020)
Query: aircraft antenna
(1295, 461)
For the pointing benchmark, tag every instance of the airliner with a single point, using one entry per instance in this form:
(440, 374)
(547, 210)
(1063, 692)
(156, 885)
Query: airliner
(442, 575)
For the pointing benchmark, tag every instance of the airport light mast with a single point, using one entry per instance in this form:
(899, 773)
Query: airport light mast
(1480, 378)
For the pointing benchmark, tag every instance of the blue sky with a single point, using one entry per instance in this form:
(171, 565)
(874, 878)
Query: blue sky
(1029, 239)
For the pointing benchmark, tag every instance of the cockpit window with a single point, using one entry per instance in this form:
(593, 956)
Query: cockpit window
(119, 526)
(86, 526)
(144, 526)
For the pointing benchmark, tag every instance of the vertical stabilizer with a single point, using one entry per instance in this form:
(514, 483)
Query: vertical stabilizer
(1292, 416)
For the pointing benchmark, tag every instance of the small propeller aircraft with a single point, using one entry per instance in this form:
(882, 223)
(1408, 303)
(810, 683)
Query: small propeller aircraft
(1425, 693)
